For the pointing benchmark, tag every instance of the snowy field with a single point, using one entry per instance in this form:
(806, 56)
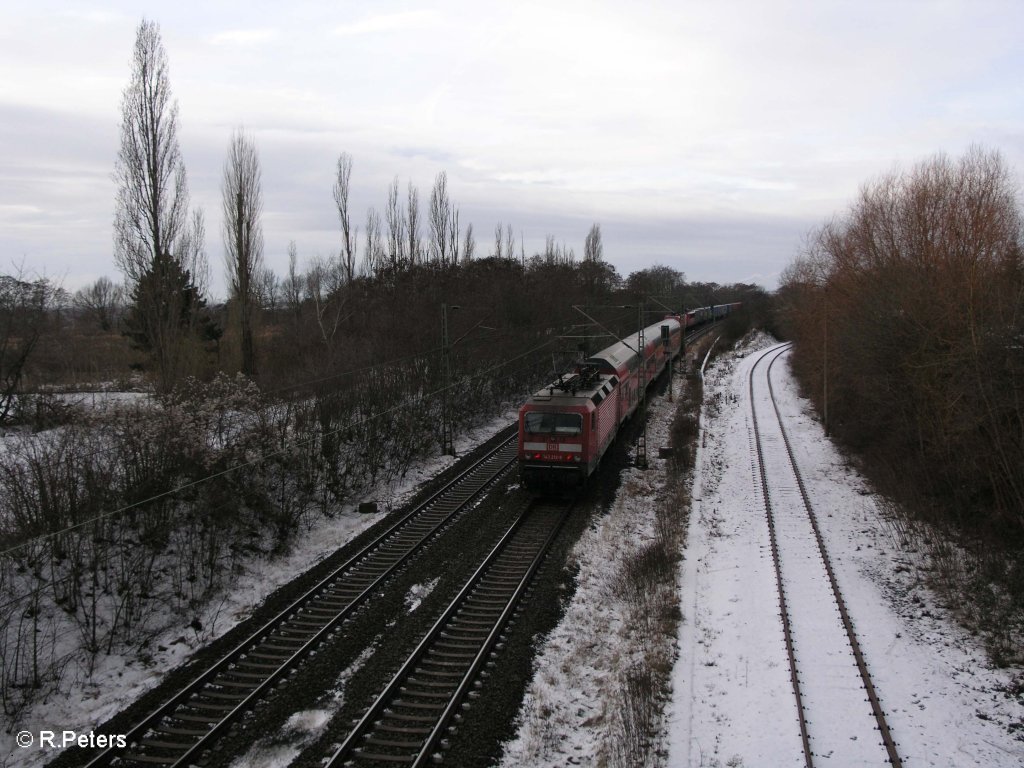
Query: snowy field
(732, 704)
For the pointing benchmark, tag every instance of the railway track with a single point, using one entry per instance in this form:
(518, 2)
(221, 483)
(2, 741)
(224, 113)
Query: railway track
(839, 712)
(180, 730)
(410, 720)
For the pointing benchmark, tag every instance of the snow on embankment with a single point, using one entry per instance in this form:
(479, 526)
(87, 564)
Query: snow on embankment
(732, 704)
(572, 712)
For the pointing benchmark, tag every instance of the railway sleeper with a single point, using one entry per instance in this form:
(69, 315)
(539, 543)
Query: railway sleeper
(506, 584)
(371, 572)
(509, 573)
(320, 612)
(171, 730)
(412, 731)
(443, 693)
(440, 673)
(288, 633)
(336, 600)
(377, 741)
(262, 654)
(494, 587)
(250, 684)
(444, 508)
(247, 665)
(496, 601)
(464, 645)
(178, 746)
(469, 613)
(425, 722)
(381, 758)
(210, 706)
(419, 705)
(225, 696)
(255, 679)
(455, 631)
(196, 718)
(421, 683)
(286, 645)
(463, 654)
(441, 663)
(151, 759)
(390, 555)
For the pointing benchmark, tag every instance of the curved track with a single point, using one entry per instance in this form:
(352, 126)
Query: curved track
(409, 720)
(841, 719)
(187, 724)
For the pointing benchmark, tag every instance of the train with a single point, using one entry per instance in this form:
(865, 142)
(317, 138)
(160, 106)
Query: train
(566, 427)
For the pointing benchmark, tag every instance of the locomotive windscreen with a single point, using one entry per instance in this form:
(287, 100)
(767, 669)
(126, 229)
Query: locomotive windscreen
(543, 422)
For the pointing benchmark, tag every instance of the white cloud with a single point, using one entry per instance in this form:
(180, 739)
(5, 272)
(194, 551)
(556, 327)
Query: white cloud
(243, 36)
(387, 22)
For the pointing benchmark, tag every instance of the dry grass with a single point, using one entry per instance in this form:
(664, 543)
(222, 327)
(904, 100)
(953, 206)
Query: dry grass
(647, 587)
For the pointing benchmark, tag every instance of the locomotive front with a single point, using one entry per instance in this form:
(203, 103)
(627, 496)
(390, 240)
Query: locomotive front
(554, 437)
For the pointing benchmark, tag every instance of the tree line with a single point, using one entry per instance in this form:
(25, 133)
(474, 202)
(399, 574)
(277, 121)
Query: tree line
(907, 314)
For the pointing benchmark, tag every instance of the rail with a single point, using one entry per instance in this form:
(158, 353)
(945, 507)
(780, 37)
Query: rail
(178, 731)
(778, 559)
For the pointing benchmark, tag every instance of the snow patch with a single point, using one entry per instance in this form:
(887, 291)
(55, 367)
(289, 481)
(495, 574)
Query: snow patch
(418, 592)
(732, 701)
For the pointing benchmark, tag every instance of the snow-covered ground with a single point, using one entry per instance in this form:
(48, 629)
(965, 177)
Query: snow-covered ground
(732, 704)
(732, 700)
(947, 706)
(120, 679)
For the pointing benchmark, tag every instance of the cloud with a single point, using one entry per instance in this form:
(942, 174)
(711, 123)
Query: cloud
(387, 22)
(707, 136)
(244, 36)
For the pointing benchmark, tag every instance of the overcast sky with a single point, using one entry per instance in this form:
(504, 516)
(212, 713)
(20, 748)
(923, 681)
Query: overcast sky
(705, 136)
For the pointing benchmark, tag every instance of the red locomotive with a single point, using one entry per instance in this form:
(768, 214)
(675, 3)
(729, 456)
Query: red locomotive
(566, 427)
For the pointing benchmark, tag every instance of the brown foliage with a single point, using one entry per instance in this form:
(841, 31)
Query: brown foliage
(914, 303)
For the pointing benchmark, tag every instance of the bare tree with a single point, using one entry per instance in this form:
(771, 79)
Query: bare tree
(469, 244)
(439, 218)
(292, 287)
(395, 221)
(348, 237)
(192, 253)
(453, 235)
(593, 250)
(153, 244)
(557, 253)
(24, 305)
(102, 302)
(268, 289)
(325, 288)
(498, 242)
(593, 270)
(374, 253)
(510, 244)
(152, 196)
(412, 229)
(242, 198)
